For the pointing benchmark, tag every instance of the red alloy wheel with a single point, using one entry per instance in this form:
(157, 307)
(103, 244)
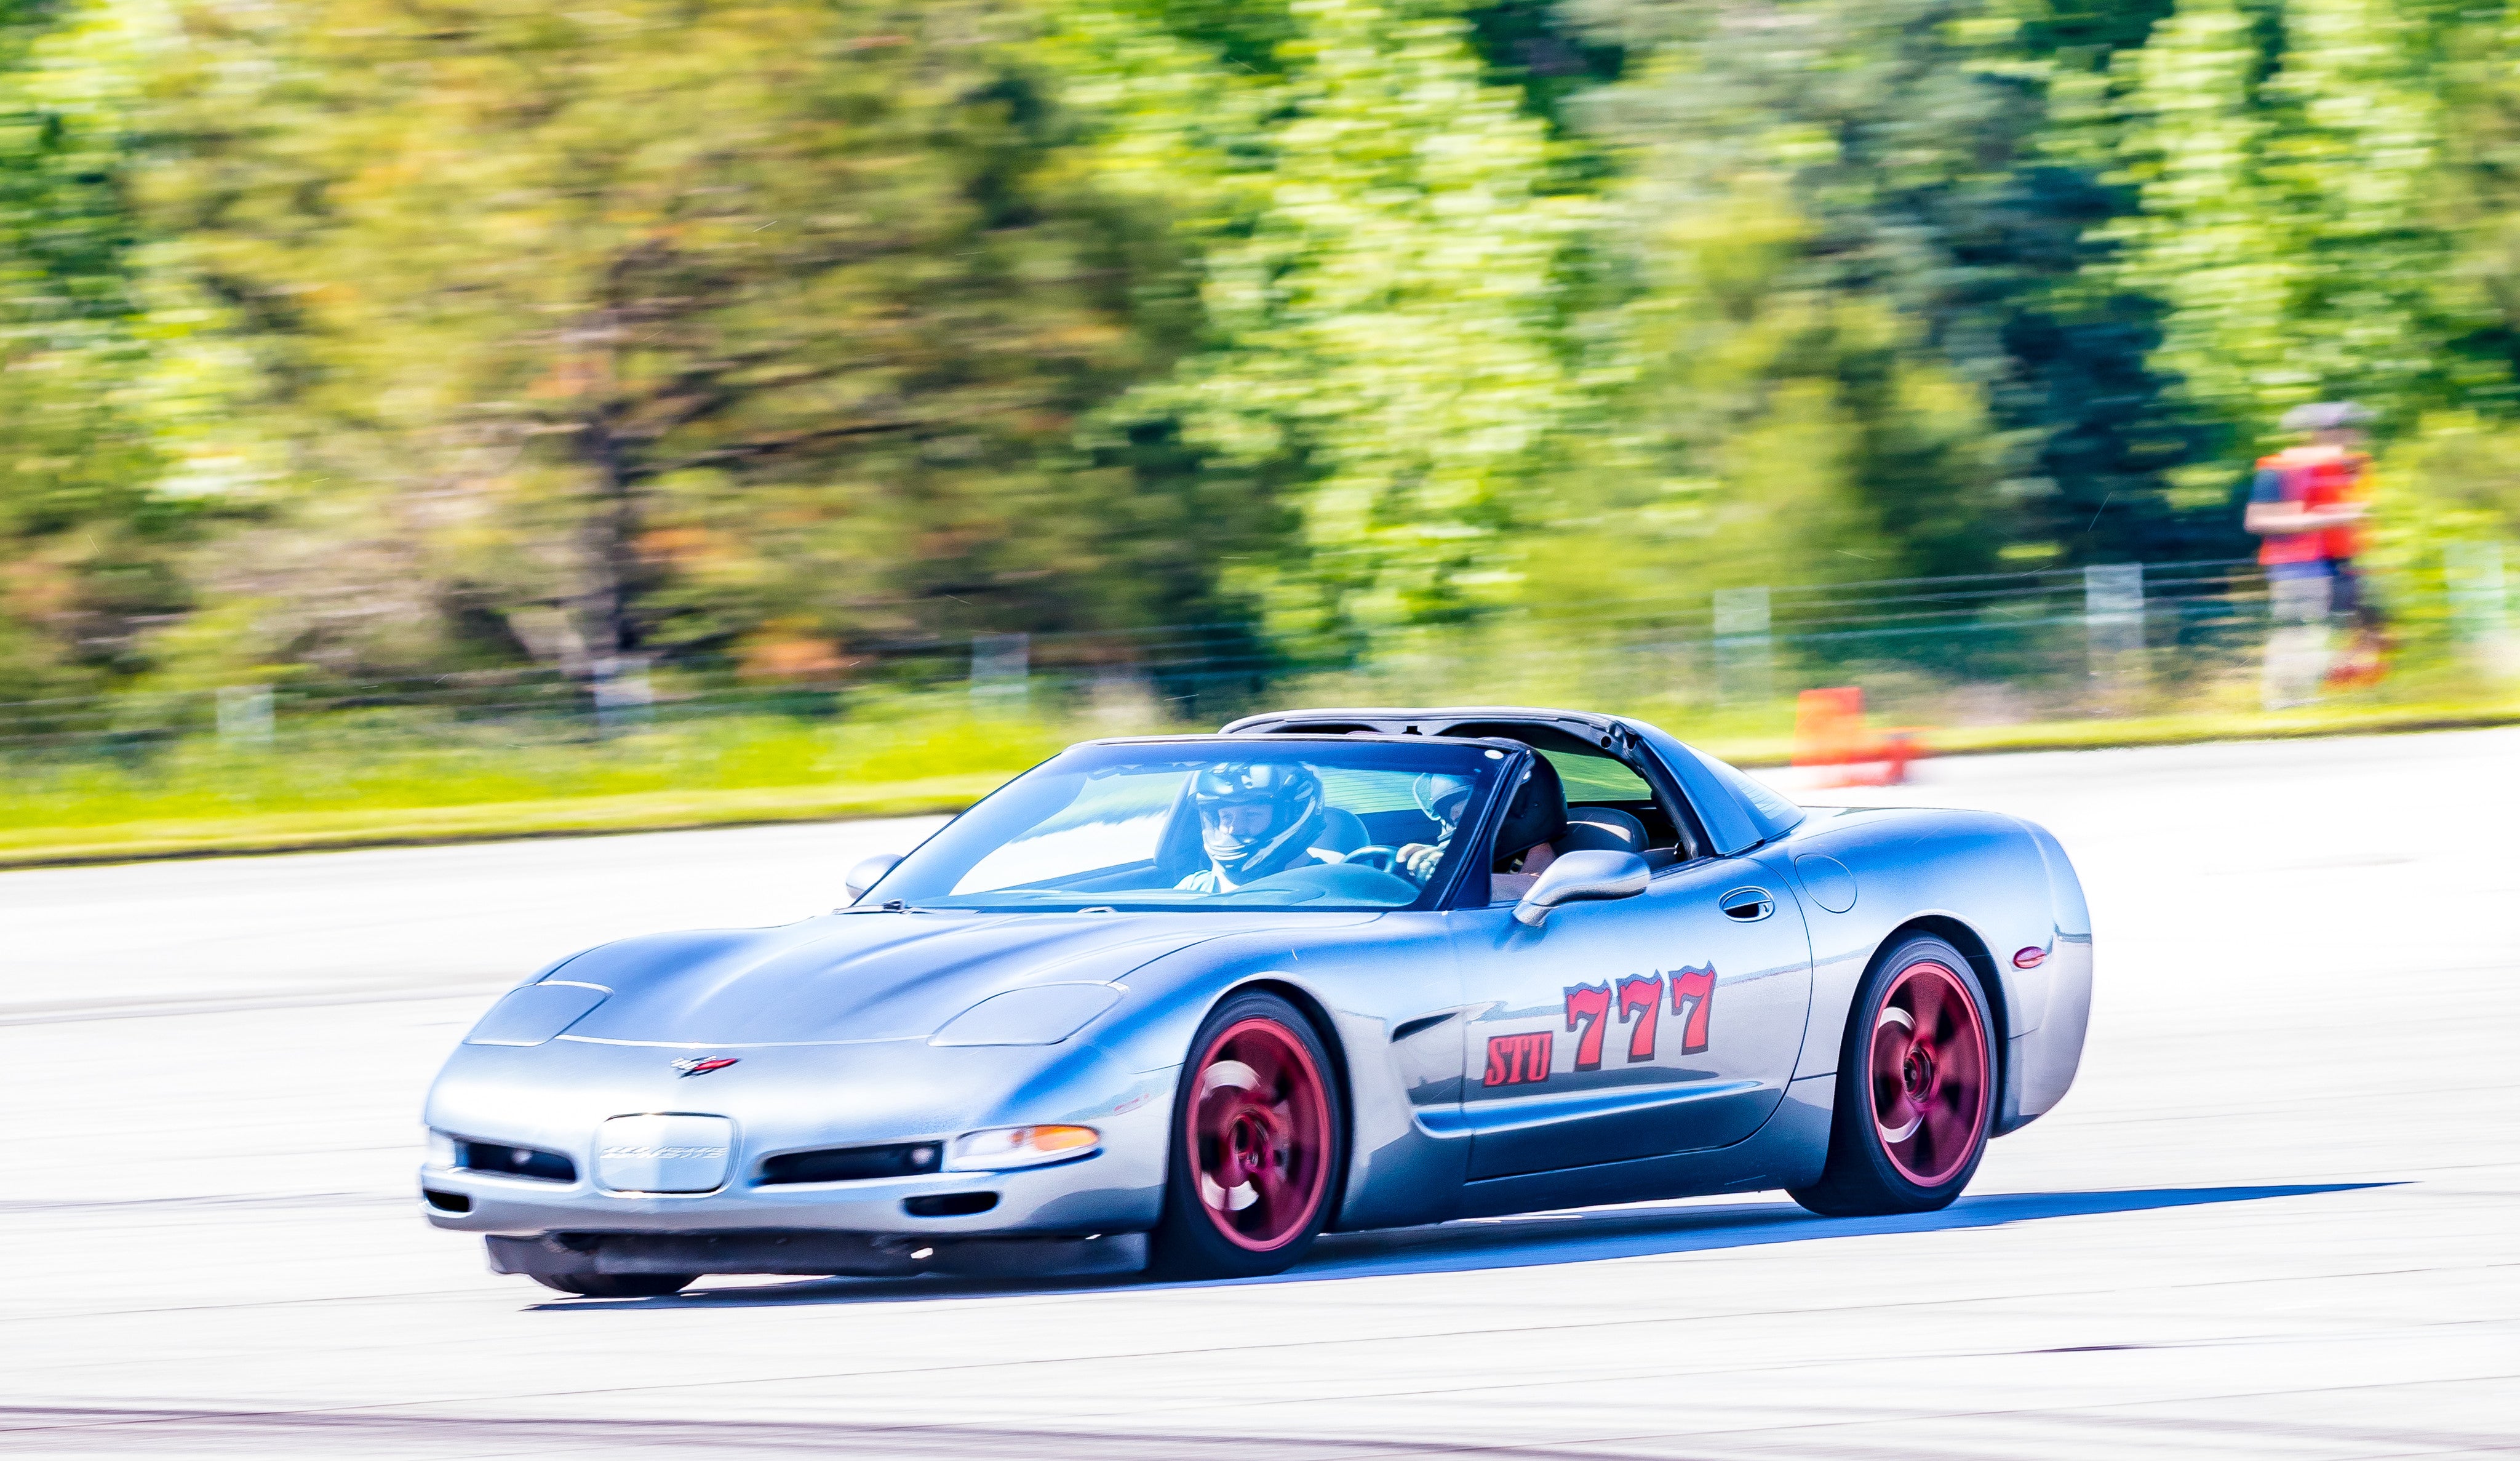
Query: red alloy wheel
(1930, 1073)
(1259, 1135)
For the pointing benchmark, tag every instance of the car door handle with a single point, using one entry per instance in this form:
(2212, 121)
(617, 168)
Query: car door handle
(1748, 904)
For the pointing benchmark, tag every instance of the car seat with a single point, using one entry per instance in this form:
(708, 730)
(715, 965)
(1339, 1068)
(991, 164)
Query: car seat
(1537, 814)
(1342, 831)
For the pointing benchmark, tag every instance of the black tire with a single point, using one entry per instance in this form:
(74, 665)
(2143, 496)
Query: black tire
(617, 1285)
(1872, 1171)
(1293, 1177)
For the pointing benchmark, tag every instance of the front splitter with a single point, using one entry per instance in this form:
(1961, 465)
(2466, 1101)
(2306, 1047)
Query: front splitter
(809, 1253)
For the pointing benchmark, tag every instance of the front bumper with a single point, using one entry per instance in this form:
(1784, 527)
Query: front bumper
(559, 1097)
(1119, 1189)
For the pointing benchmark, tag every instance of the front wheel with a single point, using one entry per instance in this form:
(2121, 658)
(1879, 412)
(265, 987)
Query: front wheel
(617, 1285)
(1915, 1088)
(1257, 1145)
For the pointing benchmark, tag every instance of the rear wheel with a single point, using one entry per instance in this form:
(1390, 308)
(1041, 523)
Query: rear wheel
(1915, 1088)
(1257, 1146)
(617, 1285)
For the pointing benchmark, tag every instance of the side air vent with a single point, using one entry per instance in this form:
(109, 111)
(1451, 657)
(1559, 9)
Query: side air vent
(447, 1202)
(853, 1164)
(515, 1161)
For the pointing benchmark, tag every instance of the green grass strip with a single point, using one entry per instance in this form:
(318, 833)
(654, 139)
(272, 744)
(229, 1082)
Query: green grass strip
(416, 826)
(401, 825)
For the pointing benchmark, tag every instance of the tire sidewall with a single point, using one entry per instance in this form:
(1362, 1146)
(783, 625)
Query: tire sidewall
(1856, 1139)
(1186, 1244)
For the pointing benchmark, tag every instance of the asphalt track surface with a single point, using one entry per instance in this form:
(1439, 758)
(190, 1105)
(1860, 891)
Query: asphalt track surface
(2274, 1219)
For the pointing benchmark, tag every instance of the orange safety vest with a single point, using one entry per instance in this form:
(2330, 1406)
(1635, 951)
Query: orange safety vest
(2316, 477)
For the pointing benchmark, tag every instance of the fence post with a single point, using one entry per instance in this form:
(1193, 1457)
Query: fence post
(1001, 673)
(245, 714)
(2113, 622)
(1123, 701)
(1745, 651)
(624, 699)
(2478, 603)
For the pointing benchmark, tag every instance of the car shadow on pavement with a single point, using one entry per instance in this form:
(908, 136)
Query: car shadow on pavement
(1528, 1240)
(1578, 1237)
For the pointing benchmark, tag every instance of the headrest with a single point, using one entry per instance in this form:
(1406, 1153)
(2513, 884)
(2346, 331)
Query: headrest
(1342, 831)
(1536, 814)
(1601, 829)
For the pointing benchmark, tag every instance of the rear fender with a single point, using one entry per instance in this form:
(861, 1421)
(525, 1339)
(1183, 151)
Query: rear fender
(1977, 879)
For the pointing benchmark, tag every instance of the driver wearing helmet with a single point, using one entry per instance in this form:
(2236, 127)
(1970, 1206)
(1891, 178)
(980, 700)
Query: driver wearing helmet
(1256, 818)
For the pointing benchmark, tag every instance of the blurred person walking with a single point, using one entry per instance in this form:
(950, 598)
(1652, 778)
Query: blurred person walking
(2307, 505)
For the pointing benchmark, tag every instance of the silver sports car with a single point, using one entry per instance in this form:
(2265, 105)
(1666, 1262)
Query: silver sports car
(1190, 1001)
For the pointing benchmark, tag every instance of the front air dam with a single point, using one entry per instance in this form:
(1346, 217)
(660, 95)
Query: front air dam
(822, 1255)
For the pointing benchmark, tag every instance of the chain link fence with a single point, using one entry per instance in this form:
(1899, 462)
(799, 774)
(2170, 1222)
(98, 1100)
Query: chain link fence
(2106, 639)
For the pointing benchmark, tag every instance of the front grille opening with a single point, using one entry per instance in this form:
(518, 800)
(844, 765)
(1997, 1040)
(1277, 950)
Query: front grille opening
(853, 1164)
(950, 1204)
(447, 1202)
(515, 1161)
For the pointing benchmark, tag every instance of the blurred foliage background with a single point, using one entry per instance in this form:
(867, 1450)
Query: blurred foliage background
(754, 340)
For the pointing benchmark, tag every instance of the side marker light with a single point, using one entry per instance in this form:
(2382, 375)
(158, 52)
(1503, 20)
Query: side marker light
(2030, 958)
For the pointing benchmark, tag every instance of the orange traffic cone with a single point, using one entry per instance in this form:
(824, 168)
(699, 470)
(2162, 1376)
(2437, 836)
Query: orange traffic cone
(1830, 732)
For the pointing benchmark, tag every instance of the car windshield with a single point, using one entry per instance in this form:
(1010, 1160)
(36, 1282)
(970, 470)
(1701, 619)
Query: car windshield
(1210, 824)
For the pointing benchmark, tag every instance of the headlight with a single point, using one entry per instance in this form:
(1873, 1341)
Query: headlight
(442, 1149)
(1010, 1147)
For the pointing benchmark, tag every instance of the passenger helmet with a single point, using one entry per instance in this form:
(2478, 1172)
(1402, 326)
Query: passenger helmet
(1441, 797)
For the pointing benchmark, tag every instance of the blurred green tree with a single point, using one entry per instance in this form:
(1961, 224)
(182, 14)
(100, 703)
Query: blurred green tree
(758, 328)
(1913, 165)
(1382, 277)
(773, 333)
(2290, 169)
(89, 544)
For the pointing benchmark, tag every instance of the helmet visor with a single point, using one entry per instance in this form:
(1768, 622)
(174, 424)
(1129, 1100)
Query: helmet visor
(1250, 812)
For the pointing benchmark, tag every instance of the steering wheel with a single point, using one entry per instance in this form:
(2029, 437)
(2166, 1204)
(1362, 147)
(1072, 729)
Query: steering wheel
(1376, 856)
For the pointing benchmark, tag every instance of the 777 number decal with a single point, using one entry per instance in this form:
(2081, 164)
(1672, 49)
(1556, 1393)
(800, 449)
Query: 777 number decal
(1524, 1059)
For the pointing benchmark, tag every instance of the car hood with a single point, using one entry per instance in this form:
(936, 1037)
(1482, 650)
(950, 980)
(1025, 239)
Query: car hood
(855, 977)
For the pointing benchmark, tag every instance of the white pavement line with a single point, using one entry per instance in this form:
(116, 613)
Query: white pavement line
(144, 1007)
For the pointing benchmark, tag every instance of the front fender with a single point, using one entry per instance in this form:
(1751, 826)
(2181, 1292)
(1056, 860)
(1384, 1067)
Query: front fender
(1360, 983)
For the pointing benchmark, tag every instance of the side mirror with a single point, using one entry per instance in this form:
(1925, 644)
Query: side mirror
(868, 874)
(1583, 877)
